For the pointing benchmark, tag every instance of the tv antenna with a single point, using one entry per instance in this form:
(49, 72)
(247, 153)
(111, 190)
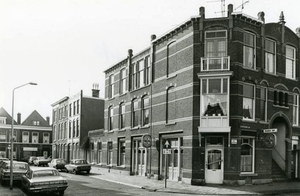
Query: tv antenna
(242, 5)
(222, 6)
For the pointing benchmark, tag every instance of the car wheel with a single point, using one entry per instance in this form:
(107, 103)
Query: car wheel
(88, 171)
(61, 193)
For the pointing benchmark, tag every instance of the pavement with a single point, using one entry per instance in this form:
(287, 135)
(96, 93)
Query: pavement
(152, 184)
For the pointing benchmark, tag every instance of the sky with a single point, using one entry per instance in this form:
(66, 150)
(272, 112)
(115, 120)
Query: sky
(65, 45)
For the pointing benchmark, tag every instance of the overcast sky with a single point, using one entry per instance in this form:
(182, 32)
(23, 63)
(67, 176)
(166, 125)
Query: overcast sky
(65, 45)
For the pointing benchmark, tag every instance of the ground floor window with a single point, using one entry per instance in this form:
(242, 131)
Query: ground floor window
(109, 153)
(121, 152)
(99, 152)
(247, 155)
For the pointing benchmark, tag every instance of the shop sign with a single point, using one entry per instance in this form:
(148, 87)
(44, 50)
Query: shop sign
(30, 149)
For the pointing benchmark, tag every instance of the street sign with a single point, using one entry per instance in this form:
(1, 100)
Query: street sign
(147, 141)
(270, 130)
(167, 151)
(166, 144)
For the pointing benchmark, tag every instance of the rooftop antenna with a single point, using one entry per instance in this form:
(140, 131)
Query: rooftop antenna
(222, 6)
(242, 5)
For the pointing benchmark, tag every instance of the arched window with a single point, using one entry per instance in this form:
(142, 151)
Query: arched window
(170, 104)
(145, 114)
(135, 113)
(110, 118)
(171, 57)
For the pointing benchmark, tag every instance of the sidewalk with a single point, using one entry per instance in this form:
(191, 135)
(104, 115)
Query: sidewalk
(5, 191)
(180, 187)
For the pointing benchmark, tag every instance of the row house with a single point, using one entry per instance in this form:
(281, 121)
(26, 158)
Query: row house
(217, 97)
(73, 117)
(32, 137)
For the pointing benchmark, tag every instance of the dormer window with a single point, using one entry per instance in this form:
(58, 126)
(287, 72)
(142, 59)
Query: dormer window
(2, 120)
(36, 123)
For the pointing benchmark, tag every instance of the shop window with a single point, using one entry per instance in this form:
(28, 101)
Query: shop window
(121, 152)
(270, 56)
(109, 153)
(145, 105)
(247, 155)
(290, 65)
(249, 50)
(248, 102)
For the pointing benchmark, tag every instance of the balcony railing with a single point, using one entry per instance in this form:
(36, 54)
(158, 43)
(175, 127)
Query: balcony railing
(215, 63)
(214, 121)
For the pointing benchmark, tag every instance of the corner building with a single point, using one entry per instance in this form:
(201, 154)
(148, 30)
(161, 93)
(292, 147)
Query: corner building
(224, 93)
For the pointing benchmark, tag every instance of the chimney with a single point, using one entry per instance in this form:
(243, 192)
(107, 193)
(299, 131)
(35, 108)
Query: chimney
(298, 31)
(202, 12)
(19, 118)
(261, 16)
(48, 120)
(95, 90)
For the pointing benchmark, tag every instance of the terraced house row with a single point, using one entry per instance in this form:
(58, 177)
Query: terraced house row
(221, 93)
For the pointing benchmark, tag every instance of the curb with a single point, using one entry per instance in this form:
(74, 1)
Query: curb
(117, 182)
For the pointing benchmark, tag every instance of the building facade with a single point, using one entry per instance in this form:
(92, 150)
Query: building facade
(73, 117)
(218, 98)
(32, 137)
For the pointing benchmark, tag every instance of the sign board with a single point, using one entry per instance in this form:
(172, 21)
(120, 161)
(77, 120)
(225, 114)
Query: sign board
(147, 141)
(167, 151)
(270, 130)
(30, 149)
(166, 144)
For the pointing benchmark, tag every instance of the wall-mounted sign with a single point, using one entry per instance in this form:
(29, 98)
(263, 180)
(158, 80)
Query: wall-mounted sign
(270, 130)
(30, 149)
(233, 141)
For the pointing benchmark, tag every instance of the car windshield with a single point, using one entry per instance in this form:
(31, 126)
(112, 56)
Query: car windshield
(45, 173)
(61, 161)
(23, 166)
(77, 162)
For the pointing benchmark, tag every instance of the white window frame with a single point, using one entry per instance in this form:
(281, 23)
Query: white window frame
(45, 136)
(270, 53)
(295, 109)
(140, 73)
(135, 113)
(111, 86)
(23, 138)
(253, 102)
(146, 110)
(291, 59)
(32, 137)
(3, 120)
(251, 47)
(123, 81)
(110, 121)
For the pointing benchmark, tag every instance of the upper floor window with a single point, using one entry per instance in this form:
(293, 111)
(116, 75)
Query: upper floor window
(25, 137)
(270, 56)
(290, 65)
(2, 136)
(111, 86)
(148, 71)
(135, 113)
(77, 106)
(110, 118)
(296, 109)
(121, 151)
(171, 57)
(46, 138)
(123, 81)
(249, 50)
(70, 109)
(248, 102)
(74, 129)
(36, 122)
(263, 103)
(70, 129)
(170, 104)
(280, 98)
(145, 105)
(2, 120)
(35, 137)
(140, 73)
(214, 97)
(122, 116)
(66, 111)
(74, 107)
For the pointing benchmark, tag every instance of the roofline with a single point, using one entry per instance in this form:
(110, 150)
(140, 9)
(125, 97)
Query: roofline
(26, 127)
(59, 101)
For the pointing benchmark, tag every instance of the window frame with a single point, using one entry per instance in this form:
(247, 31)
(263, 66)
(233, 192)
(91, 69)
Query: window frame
(253, 47)
(145, 110)
(23, 133)
(273, 53)
(122, 111)
(44, 136)
(121, 154)
(111, 86)
(170, 116)
(253, 101)
(135, 113)
(123, 81)
(109, 153)
(32, 137)
(147, 70)
(265, 102)
(110, 118)
(252, 145)
(293, 60)
(295, 109)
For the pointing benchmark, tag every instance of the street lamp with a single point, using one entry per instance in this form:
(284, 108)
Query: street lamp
(11, 136)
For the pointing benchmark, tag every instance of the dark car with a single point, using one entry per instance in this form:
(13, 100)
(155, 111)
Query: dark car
(19, 168)
(78, 165)
(41, 161)
(58, 164)
(39, 180)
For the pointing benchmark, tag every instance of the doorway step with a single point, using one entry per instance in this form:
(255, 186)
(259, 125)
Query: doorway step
(277, 174)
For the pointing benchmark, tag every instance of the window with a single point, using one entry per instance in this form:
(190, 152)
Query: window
(54, 132)
(25, 137)
(46, 138)
(296, 109)
(248, 102)
(2, 136)
(66, 111)
(171, 57)
(215, 50)
(281, 99)
(110, 118)
(270, 58)
(111, 86)
(2, 120)
(77, 106)
(290, 65)
(74, 129)
(249, 50)
(145, 105)
(65, 130)
(70, 109)
(109, 153)
(214, 97)
(170, 105)
(135, 113)
(122, 116)
(148, 71)
(74, 107)
(140, 73)
(121, 152)
(123, 81)
(36, 123)
(99, 152)
(92, 151)
(133, 74)
(263, 103)
(35, 137)
(77, 128)
(247, 155)
(70, 129)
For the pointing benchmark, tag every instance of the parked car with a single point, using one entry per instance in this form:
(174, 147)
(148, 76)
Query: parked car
(78, 165)
(3, 159)
(39, 180)
(31, 159)
(19, 168)
(58, 164)
(41, 161)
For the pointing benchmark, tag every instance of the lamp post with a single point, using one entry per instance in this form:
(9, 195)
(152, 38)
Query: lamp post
(11, 136)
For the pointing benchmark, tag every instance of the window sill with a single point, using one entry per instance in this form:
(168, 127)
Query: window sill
(145, 127)
(110, 131)
(248, 120)
(293, 79)
(171, 123)
(140, 88)
(250, 68)
(121, 95)
(248, 174)
(135, 128)
(122, 130)
(171, 76)
(279, 106)
(112, 98)
(121, 166)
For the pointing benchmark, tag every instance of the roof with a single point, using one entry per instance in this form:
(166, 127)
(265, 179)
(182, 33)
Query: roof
(37, 117)
(42, 168)
(4, 113)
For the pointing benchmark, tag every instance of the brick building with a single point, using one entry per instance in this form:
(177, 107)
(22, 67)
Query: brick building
(73, 117)
(32, 137)
(221, 93)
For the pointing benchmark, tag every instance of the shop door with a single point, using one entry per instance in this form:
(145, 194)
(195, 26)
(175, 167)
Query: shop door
(214, 165)
(139, 162)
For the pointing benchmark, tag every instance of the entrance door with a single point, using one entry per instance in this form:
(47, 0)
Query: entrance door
(139, 162)
(214, 165)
